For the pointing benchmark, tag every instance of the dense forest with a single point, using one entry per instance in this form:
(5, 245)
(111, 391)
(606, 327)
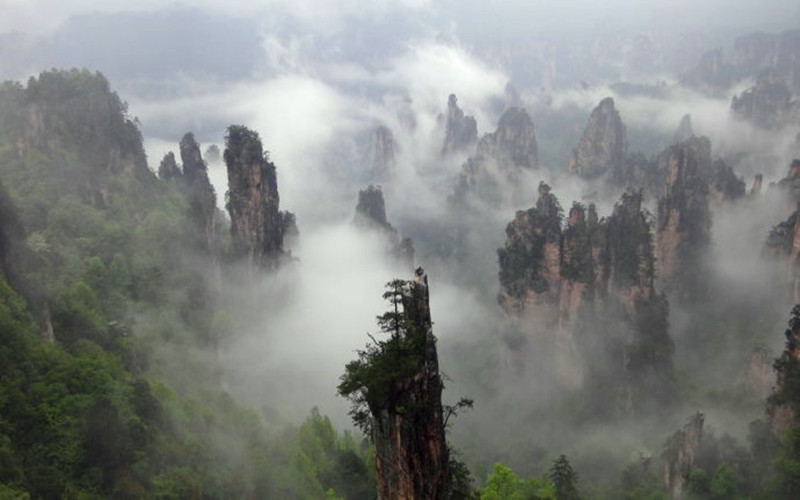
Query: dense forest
(607, 308)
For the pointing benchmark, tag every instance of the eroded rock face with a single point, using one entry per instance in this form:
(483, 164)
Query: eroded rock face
(202, 198)
(531, 258)
(604, 146)
(755, 189)
(500, 159)
(192, 179)
(257, 225)
(679, 457)
(791, 183)
(168, 169)
(382, 151)
(752, 55)
(768, 104)
(757, 52)
(685, 130)
(759, 377)
(556, 280)
(783, 404)
(371, 214)
(683, 221)
(411, 455)
(461, 132)
(783, 246)
(725, 185)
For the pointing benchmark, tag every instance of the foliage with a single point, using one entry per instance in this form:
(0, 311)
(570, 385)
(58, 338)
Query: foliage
(564, 479)
(371, 380)
(105, 253)
(522, 258)
(630, 242)
(503, 484)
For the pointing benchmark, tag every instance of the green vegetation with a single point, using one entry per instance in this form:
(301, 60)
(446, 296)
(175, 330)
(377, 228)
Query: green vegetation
(96, 247)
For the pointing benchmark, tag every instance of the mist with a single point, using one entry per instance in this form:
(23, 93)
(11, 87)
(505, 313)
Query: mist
(315, 80)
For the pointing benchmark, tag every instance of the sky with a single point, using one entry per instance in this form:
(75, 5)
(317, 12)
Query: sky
(475, 16)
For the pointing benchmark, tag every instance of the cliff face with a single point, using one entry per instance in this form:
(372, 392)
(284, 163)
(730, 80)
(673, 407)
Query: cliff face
(683, 233)
(371, 214)
(96, 142)
(756, 52)
(768, 104)
(558, 280)
(530, 261)
(604, 146)
(500, 159)
(461, 132)
(411, 455)
(790, 184)
(752, 55)
(202, 198)
(192, 179)
(685, 130)
(758, 377)
(783, 405)
(168, 169)
(257, 225)
(783, 246)
(382, 151)
(679, 457)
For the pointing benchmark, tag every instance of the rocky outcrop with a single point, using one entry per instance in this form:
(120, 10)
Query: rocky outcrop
(494, 172)
(555, 280)
(752, 55)
(684, 130)
(783, 246)
(257, 225)
(192, 180)
(783, 405)
(96, 119)
(371, 214)
(200, 192)
(530, 262)
(168, 169)
(759, 377)
(461, 132)
(710, 73)
(604, 146)
(755, 189)
(683, 220)
(768, 104)
(411, 454)
(756, 52)
(213, 154)
(790, 185)
(680, 455)
(725, 186)
(382, 151)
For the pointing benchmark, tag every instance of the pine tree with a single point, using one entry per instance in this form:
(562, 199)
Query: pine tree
(565, 479)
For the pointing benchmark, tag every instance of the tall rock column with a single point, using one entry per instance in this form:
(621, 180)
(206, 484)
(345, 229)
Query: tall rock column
(257, 225)
(202, 199)
(396, 389)
(411, 456)
(683, 233)
(783, 245)
(783, 405)
(494, 172)
(382, 151)
(604, 146)
(679, 457)
(371, 214)
(461, 132)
